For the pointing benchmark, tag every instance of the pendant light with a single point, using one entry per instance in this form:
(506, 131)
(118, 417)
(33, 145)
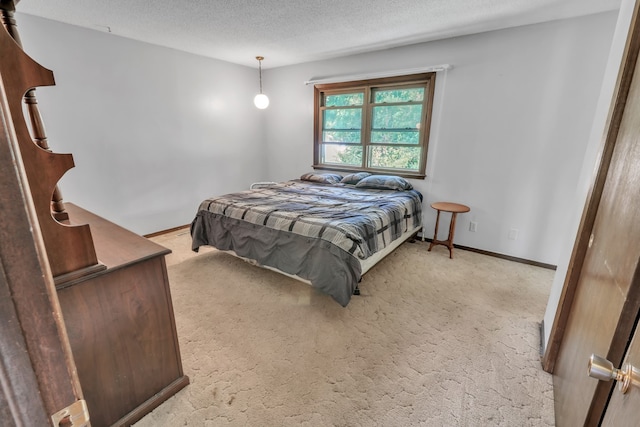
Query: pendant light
(261, 100)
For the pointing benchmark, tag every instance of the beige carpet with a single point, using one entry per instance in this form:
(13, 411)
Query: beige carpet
(431, 341)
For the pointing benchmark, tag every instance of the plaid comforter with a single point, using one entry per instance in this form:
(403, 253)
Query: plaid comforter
(360, 222)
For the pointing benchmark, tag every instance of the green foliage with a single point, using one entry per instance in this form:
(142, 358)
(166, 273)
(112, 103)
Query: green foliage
(344, 100)
(383, 156)
(395, 157)
(351, 156)
(397, 121)
(401, 122)
(398, 95)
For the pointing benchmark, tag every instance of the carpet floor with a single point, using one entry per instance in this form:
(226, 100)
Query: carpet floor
(431, 341)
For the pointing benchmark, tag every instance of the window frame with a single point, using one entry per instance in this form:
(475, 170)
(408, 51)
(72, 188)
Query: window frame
(368, 86)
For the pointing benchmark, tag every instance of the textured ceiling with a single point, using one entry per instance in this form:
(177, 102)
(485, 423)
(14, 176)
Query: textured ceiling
(288, 32)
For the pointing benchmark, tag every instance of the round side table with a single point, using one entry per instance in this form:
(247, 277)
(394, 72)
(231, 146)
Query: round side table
(455, 209)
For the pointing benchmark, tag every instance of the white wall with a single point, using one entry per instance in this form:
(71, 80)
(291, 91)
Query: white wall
(153, 131)
(516, 132)
(511, 125)
(590, 161)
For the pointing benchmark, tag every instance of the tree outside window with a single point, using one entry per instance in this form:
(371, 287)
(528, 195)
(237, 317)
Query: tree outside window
(379, 126)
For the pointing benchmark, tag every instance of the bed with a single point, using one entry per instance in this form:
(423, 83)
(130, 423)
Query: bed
(324, 229)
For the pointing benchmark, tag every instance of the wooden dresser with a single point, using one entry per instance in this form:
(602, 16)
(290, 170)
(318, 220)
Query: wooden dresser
(121, 326)
(111, 284)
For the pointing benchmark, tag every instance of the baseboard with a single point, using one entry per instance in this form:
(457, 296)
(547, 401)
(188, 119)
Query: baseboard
(419, 236)
(170, 230)
(542, 338)
(138, 413)
(502, 256)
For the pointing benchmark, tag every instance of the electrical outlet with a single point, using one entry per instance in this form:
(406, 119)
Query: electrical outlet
(513, 234)
(473, 226)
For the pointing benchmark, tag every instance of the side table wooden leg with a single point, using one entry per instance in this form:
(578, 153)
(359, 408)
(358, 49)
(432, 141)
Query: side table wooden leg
(452, 229)
(435, 233)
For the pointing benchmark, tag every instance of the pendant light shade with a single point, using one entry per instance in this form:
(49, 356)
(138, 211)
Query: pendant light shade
(261, 100)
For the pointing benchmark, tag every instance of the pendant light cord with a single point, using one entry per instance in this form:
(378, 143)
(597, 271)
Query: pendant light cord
(260, 58)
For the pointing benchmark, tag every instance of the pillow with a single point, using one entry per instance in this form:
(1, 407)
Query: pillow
(323, 178)
(385, 182)
(354, 177)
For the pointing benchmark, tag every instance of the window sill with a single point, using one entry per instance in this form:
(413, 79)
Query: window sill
(403, 174)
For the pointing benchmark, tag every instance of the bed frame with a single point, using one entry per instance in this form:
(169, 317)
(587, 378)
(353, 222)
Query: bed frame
(365, 264)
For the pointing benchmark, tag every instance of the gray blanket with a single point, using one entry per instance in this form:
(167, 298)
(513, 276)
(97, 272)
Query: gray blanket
(315, 231)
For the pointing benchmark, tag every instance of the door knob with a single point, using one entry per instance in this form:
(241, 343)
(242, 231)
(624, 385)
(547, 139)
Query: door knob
(602, 369)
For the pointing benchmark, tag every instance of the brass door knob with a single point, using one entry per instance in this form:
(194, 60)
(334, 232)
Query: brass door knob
(603, 370)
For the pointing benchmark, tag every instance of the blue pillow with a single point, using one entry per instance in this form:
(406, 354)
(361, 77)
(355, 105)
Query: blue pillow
(385, 182)
(322, 178)
(354, 178)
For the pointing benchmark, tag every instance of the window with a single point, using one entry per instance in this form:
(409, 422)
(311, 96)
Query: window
(379, 125)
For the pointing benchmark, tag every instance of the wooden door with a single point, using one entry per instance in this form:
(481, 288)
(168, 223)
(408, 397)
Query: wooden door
(623, 409)
(607, 296)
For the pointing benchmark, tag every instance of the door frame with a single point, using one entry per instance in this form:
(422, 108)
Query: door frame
(585, 229)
